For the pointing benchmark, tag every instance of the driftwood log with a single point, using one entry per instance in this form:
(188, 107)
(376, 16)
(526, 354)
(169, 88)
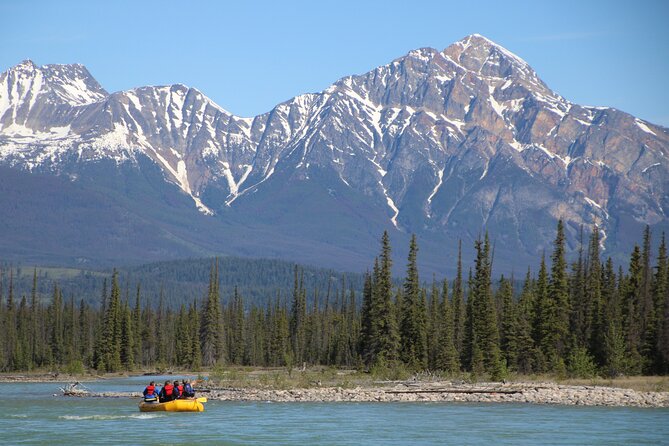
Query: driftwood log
(74, 389)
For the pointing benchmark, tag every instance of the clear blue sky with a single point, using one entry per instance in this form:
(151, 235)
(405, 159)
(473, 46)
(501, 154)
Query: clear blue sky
(250, 55)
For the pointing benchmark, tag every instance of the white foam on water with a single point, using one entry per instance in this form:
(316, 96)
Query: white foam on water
(110, 417)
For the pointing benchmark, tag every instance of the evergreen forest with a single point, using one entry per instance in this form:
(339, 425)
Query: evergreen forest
(581, 318)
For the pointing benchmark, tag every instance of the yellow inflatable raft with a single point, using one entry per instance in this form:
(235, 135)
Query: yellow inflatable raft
(186, 405)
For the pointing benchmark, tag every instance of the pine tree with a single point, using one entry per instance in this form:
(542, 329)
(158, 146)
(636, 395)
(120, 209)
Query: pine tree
(137, 328)
(660, 290)
(385, 344)
(366, 324)
(127, 347)
(237, 329)
(412, 329)
(211, 330)
(543, 315)
(279, 336)
(35, 356)
(459, 308)
(434, 325)
(527, 352)
(113, 323)
(161, 329)
(509, 323)
(22, 351)
(194, 318)
(631, 313)
(56, 342)
(558, 293)
(593, 286)
(579, 304)
(485, 335)
(646, 306)
(614, 340)
(447, 358)
(467, 342)
(298, 315)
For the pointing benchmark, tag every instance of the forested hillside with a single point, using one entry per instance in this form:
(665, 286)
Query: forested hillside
(179, 280)
(580, 317)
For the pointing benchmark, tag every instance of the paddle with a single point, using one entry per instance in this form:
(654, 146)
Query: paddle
(201, 400)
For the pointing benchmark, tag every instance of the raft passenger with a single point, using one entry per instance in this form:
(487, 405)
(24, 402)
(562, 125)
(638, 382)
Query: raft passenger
(150, 393)
(179, 388)
(168, 392)
(188, 390)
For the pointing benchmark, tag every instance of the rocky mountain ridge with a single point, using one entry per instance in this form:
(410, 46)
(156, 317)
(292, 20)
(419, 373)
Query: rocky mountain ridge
(442, 143)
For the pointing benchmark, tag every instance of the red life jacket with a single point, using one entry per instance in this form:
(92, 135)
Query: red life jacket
(150, 390)
(168, 389)
(180, 388)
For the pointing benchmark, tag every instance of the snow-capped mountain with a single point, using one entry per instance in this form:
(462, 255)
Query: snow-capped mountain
(441, 143)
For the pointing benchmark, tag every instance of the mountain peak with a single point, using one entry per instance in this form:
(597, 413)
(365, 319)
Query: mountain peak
(483, 56)
(26, 64)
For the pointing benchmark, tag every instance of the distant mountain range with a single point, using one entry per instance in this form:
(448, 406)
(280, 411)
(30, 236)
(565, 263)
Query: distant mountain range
(444, 144)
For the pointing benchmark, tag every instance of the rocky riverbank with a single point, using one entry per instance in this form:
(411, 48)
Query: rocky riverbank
(412, 391)
(544, 393)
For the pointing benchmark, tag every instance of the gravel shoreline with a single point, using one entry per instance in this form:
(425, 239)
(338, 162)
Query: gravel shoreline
(532, 393)
(528, 393)
(410, 391)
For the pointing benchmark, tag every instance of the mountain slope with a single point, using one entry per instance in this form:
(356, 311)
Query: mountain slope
(445, 144)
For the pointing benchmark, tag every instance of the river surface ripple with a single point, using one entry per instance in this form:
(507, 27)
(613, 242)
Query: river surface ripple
(30, 414)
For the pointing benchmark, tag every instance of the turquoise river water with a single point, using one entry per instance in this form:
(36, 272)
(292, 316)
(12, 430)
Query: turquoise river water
(30, 414)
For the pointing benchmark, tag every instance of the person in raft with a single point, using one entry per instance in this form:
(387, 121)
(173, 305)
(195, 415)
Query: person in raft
(179, 388)
(188, 390)
(168, 392)
(150, 393)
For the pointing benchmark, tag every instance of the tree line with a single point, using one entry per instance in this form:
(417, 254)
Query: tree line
(580, 318)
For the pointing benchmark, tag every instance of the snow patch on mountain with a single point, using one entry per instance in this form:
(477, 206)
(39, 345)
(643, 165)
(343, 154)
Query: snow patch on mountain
(644, 127)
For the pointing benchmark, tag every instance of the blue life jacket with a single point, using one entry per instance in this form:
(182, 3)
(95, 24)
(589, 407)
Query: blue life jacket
(188, 389)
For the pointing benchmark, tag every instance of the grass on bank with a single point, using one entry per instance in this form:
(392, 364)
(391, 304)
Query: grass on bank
(313, 377)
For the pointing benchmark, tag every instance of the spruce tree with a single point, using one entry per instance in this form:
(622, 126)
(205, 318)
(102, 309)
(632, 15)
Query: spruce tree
(385, 344)
(161, 329)
(509, 323)
(660, 290)
(35, 354)
(580, 310)
(613, 348)
(593, 285)
(211, 330)
(434, 325)
(298, 316)
(485, 335)
(526, 350)
(412, 329)
(10, 327)
(127, 348)
(459, 308)
(543, 316)
(22, 351)
(194, 319)
(447, 357)
(366, 319)
(646, 305)
(558, 293)
(631, 313)
(137, 328)
(237, 329)
(114, 323)
(56, 342)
